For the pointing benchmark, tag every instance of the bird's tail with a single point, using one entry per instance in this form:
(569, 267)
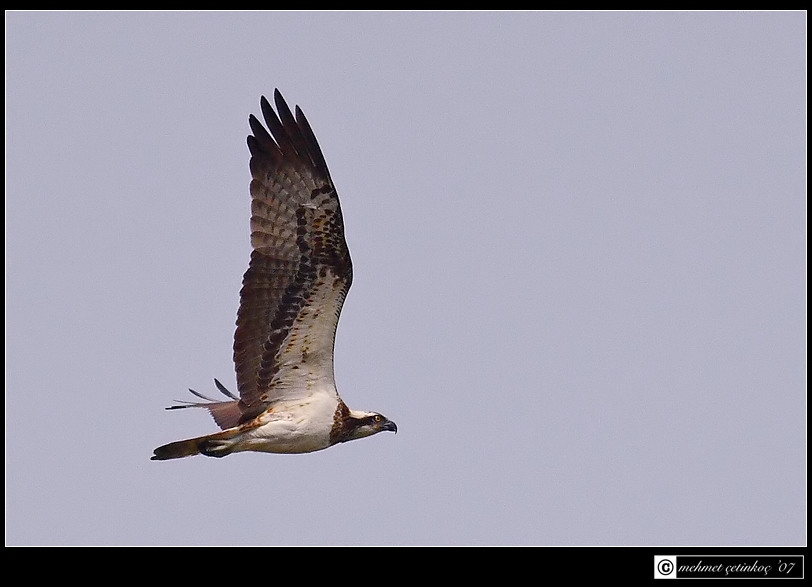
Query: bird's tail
(226, 414)
(219, 444)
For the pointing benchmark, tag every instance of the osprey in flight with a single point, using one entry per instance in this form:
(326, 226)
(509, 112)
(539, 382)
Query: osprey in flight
(291, 298)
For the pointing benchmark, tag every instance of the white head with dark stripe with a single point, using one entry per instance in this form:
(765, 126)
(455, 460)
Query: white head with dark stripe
(357, 424)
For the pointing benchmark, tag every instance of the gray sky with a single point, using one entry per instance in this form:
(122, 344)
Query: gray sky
(579, 243)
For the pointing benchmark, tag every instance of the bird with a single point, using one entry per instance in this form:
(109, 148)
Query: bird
(290, 302)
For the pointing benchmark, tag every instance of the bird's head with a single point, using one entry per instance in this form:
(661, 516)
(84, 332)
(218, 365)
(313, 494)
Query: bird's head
(363, 424)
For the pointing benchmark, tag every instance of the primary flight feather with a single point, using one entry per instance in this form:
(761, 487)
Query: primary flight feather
(290, 302)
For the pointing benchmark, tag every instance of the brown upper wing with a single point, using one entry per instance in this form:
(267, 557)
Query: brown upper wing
(300, 269)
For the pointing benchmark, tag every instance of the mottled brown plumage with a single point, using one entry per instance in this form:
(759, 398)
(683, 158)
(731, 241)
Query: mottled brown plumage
(291, 298)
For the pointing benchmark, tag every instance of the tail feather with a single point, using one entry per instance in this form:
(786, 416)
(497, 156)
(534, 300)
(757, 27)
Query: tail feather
(226, 414)
(211, 445)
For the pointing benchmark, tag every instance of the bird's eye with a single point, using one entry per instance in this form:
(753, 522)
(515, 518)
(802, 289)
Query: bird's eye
(377, 418)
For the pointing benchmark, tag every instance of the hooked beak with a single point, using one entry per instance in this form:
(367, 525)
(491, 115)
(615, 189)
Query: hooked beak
(390, 426)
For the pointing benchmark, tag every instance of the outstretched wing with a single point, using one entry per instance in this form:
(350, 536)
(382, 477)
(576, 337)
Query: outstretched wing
(300, 269)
